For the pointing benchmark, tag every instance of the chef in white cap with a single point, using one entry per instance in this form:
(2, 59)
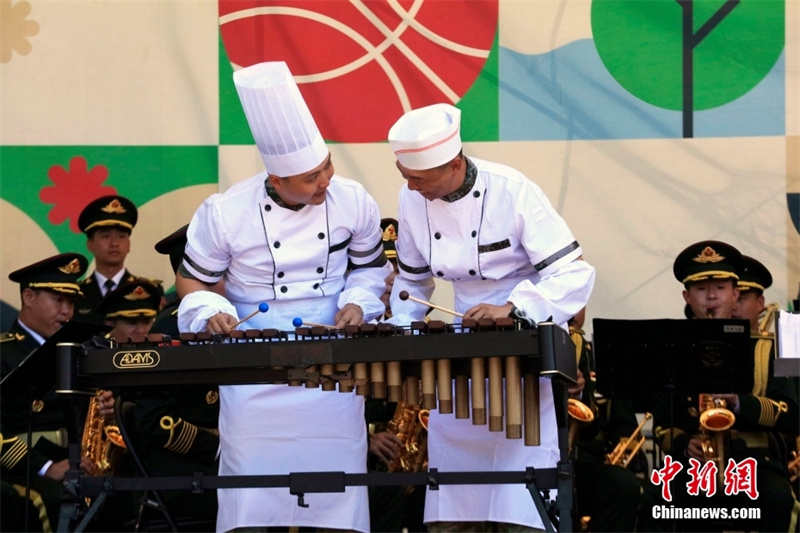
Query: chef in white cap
(492, 233)
(287, 237)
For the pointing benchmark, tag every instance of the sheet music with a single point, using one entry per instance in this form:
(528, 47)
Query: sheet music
(788, 335)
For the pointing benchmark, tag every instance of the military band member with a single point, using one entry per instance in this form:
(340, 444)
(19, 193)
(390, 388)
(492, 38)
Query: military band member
(175, 431)
(750, 305)
(172, 245)
(607, 495)
(130, 309)
(308, 242)
(710, 272)
(492, 233)
(107, 222)
(48, 290)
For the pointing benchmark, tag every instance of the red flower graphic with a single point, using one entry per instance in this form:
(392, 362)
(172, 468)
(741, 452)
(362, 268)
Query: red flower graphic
(73, 190)
(360, 65)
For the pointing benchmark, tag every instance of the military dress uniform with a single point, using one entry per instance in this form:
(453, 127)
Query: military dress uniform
(172, 245)
(86, 307)
(48, 416)
(607, 494)
(176, 435)
(176, 429)
(104, 212)
(771, 408)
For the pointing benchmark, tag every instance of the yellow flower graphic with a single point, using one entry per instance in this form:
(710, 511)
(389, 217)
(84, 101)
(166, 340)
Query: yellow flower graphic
(15, 30)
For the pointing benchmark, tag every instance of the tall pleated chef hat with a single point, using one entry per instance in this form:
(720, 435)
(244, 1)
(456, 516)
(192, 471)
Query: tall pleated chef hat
(284, 130)
(427, 137)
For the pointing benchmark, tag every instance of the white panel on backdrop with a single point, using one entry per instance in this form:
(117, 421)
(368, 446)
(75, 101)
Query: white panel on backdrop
(115, 73)
(237, 163)
(154, 225)
(539, 27)
(14, 224)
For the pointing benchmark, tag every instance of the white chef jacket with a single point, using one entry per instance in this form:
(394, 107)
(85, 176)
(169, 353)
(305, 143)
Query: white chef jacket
(296, 261)
(498, 241)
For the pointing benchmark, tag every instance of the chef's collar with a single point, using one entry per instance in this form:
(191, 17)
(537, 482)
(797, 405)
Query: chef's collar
(469, 181)
(272, 193)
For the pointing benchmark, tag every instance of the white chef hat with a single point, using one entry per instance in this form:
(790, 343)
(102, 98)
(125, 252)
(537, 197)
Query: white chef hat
(427, 137)
(284, 130)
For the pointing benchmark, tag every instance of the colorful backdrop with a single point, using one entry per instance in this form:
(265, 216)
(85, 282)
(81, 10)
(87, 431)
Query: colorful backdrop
(645, 137)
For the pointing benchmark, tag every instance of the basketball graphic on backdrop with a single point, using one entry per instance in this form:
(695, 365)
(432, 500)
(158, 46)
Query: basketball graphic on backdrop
(360, 65)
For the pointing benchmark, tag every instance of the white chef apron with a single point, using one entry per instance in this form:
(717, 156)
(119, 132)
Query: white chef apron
(456, 445)
(277, 429)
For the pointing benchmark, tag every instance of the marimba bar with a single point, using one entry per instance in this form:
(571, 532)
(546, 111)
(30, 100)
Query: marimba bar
(372, 359)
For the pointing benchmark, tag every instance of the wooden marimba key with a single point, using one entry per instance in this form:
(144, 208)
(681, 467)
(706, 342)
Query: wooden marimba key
(510, 402)
(513, 398)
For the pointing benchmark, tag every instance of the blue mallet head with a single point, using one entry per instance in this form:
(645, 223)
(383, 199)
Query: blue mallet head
(297, 322)
(263, 307)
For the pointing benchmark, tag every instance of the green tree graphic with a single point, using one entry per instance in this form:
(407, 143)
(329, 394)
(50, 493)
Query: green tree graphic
(688, 55)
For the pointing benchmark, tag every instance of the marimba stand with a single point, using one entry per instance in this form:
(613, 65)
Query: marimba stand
(302, 483)
(555, 347)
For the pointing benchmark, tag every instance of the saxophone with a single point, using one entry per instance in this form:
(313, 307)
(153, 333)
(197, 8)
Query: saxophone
(580, 415)
(715, 421)
(101, 443)
(410, 425)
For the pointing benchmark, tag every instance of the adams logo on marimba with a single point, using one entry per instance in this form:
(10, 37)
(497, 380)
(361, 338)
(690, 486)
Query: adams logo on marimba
(137, 359)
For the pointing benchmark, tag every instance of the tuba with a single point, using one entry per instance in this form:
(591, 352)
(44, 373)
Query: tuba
(580, 415)
(715, 421)
(101, 443)
(626, 449)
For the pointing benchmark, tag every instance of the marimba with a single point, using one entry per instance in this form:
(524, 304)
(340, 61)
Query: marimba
(373, 359)
(350, 358)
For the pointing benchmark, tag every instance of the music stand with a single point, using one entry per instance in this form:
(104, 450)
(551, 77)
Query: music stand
(37, 373)
(634, 358)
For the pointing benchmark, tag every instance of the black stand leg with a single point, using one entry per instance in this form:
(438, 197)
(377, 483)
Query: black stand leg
(566, 477)
(96, 504)
(70, 497)
(538, 501)
(566, 495)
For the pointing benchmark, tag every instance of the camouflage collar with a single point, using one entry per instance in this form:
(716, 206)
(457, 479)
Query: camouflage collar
(470, 176)
(273, 194)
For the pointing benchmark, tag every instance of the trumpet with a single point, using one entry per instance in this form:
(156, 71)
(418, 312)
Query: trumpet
(580, 415)
(715, 421)
(627, 448)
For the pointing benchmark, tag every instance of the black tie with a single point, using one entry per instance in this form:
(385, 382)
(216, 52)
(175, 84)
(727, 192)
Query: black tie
(109, 284)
